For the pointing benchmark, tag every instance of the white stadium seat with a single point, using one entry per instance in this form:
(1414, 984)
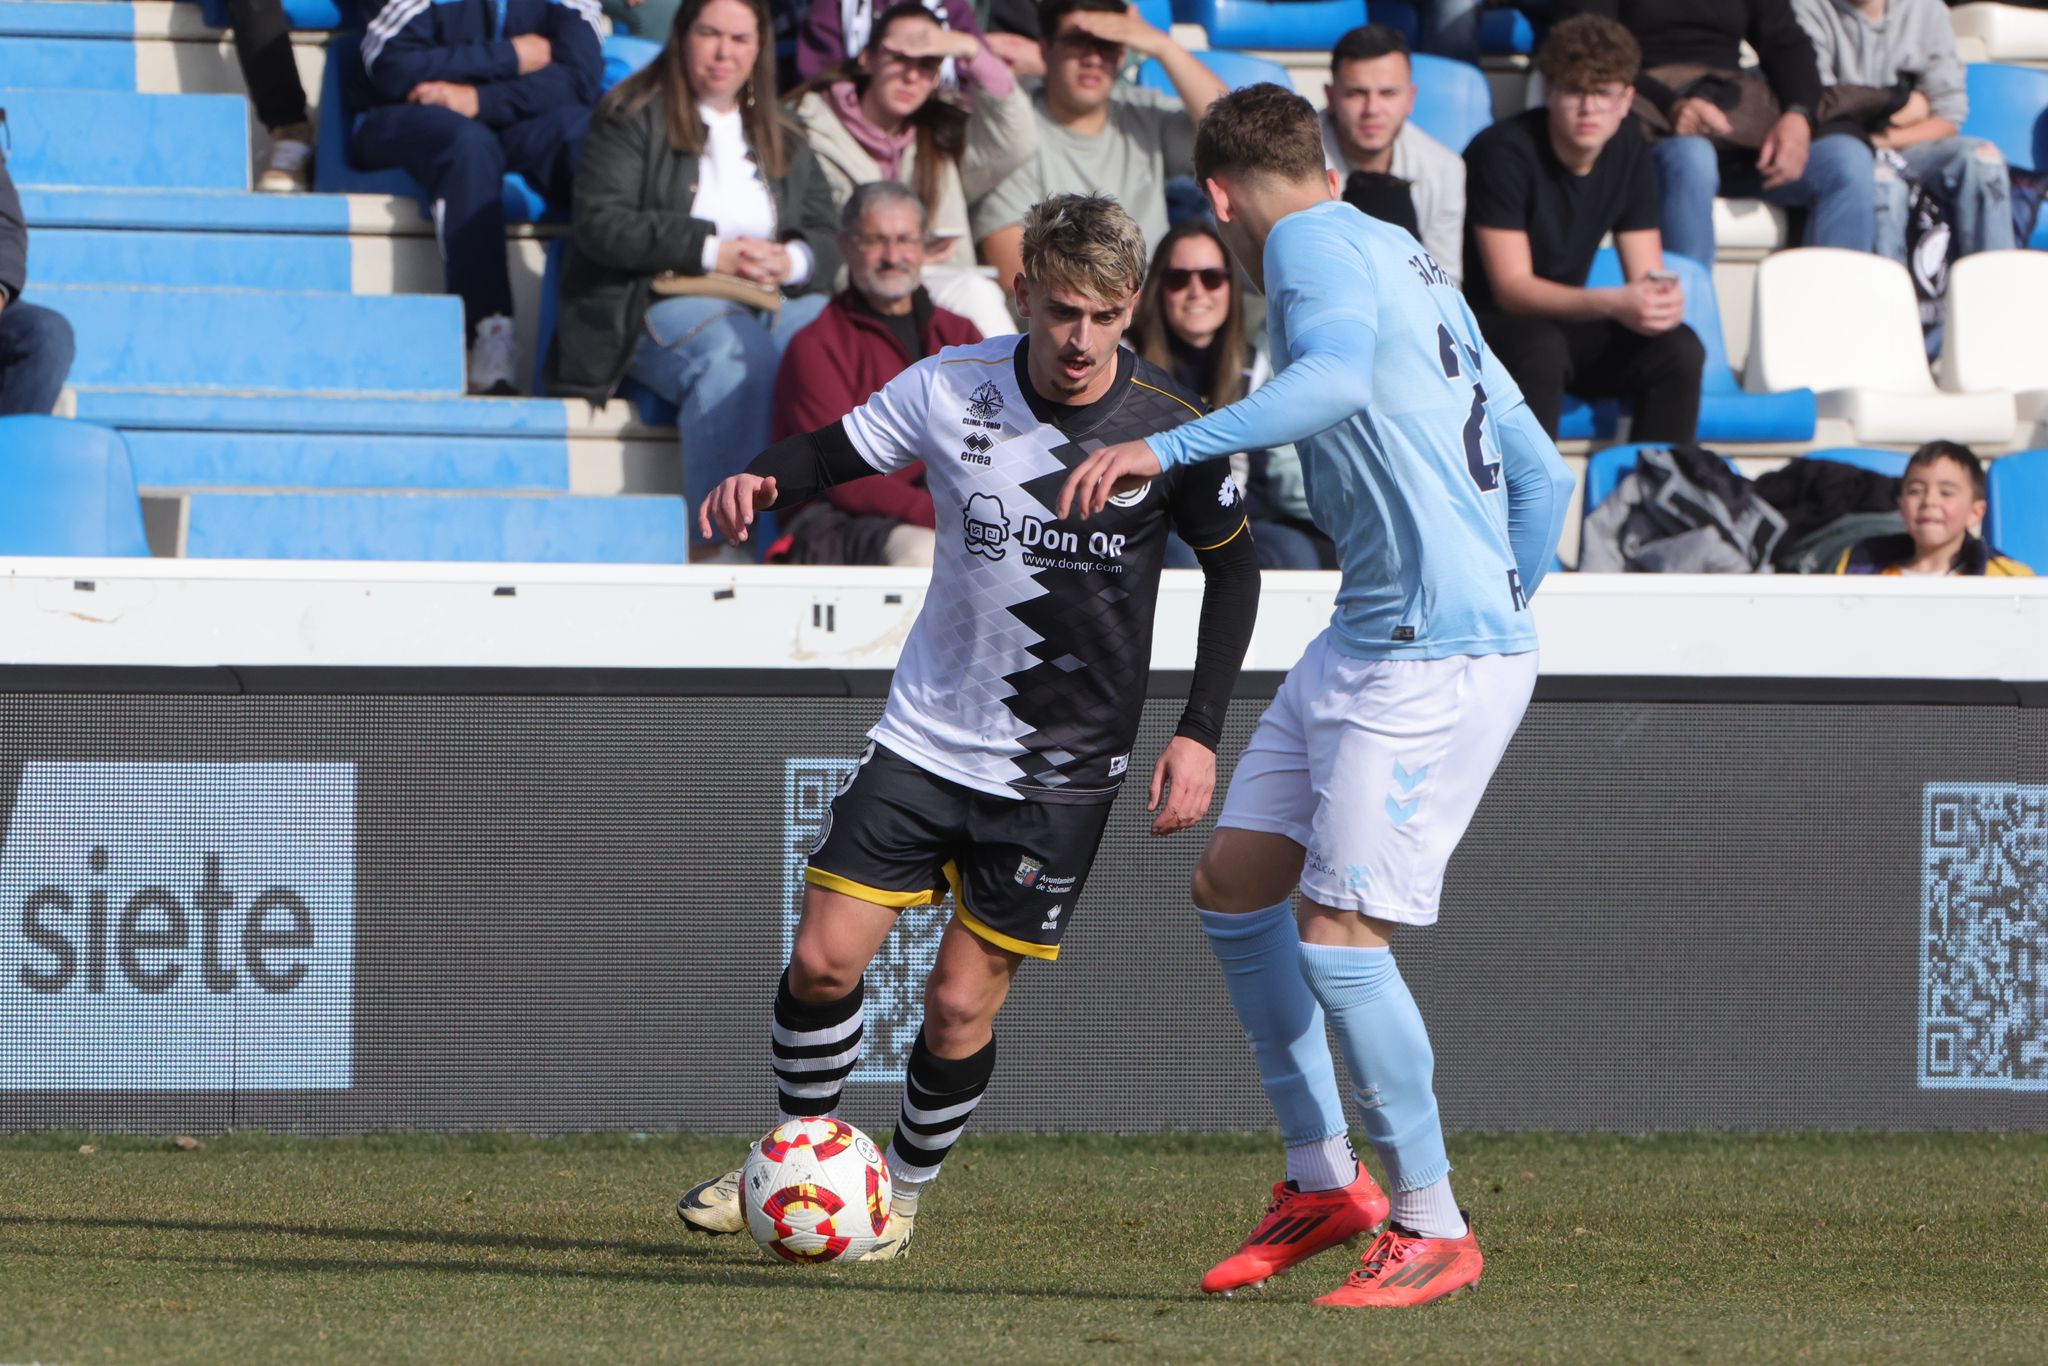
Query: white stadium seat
(1992, 339)
(1845, 324)
(2008, 32)
(1747, 225)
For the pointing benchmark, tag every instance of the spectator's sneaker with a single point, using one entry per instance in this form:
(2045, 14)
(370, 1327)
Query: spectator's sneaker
(493, 357)
(895, 1240)
(714, 1206)
(1403, 1269)
(1298, 1225)
(290, 170)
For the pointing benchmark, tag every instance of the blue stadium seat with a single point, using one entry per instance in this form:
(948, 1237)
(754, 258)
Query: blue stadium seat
(1234, 69)
(304, 14)
(1157, 13)
(66, 488)
(334, 173)
(1398, 16)
(1608, 467)
(1506, 33)
(1292, 25)
(2017, 522)
(624, 54)
(1891, 463)
(2009, 107)
(1453, 102)
(1727, 412)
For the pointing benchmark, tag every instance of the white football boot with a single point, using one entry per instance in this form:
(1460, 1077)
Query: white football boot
(714, 1206)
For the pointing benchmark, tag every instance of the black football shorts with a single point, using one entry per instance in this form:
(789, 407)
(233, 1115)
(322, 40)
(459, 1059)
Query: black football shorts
(900, 836)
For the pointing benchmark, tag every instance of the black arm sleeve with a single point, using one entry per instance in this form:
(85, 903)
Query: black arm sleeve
(805, 465)
(1230, 608)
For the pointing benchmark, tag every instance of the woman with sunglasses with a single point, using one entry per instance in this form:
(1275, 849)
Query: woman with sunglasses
(704, 239)
(1190, 322)
(886, 116)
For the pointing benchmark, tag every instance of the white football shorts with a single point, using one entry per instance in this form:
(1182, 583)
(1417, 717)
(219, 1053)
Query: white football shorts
(1375, 768)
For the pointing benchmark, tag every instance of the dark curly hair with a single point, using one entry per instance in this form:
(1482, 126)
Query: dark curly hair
(1588, 51)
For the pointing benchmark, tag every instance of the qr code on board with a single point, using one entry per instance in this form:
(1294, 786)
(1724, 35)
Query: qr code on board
(893, 1003)
(1984, 937)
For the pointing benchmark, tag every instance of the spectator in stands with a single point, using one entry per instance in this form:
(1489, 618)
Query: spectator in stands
(1389, 167)
(468, 90)
(1095, 136)
(1941, 496)
(1908, 45)
(35, 343)
(872, 330)
(1190, 322)
(1542, 189)
(263, 49)
(1719, 128)
(695, 188)
(836, 31)
(885, 117)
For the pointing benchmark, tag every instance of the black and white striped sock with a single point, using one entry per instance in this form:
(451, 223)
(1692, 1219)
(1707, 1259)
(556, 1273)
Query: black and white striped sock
(938, 1096)
(815, 1044)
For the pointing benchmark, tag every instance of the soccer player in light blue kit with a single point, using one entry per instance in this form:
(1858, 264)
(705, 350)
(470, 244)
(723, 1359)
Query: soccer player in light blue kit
(1445, 499)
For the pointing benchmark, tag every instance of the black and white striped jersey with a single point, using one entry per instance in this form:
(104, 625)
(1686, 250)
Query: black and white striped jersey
(1025, 673)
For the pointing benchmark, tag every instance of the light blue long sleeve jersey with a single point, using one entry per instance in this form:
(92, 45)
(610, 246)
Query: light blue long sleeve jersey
(1420, 458)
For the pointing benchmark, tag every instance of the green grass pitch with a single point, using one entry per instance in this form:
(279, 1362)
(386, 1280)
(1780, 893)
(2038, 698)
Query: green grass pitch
(1850, 1248)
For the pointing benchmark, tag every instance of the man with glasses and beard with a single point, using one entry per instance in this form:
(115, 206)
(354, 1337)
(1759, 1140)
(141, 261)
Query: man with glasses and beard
(878, 326)
(1542, 188)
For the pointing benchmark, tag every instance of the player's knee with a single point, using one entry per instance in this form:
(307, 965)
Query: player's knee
(956, 1015)
(1214, 889)
(814, 976)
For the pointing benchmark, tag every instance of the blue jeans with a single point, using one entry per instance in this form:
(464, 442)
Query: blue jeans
(716, 361)
(1838, 191)
(1967, 176)
(35, 355)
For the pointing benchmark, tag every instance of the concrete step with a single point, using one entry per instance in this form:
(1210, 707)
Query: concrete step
(286, 261)
(116, 138)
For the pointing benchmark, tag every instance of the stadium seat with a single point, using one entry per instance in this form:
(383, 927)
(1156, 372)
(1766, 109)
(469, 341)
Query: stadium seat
(1845, 324)
(624, 54)
(1234, 69)
(2017, 521)
(1992, 339)
(2009, 33)
(68, 490)
(2009, 107)
(1892, 463)
(303, 14)
(1398, 16)
(1610, 466)
(334, 173)
(1727, 413)
(1453, 102)
(1290, 25)
(1506, 33)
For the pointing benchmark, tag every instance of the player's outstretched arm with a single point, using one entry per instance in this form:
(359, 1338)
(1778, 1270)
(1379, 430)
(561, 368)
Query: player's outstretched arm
(1185, 775)
(1540, 488)
(789, 472)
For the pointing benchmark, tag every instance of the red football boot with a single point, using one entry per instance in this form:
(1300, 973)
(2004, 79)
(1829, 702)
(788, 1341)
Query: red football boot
(1402, 1269)
(1298, 1225)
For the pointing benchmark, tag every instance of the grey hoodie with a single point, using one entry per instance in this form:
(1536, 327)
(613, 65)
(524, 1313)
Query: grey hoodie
(1912, 42)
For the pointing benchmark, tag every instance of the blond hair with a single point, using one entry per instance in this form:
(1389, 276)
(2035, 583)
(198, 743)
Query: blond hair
(1086, 243)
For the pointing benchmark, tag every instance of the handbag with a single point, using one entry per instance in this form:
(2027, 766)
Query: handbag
(718, 285)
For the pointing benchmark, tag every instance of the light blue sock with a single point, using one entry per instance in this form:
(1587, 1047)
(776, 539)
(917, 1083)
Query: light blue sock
(1386, 1047)
(1260, 955)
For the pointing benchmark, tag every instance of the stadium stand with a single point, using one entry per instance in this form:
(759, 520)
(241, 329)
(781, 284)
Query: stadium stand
(1845, 324)
(1989, 341)
(70, 490)
(2009, 108)
(1453, 102)
(2017, 520)
(1235, 69)
(1892, 463)
(2007, 33)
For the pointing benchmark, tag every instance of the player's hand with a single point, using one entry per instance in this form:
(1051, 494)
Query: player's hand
(1111, 470)
(732, 505)
(535, 52)
(1186, 774)
(1694, 117)
(1782, 158)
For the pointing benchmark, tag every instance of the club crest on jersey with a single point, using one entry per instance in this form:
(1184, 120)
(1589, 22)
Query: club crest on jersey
(985, 402)
(978, 446)
(1229, 495)
(1029, 870)
(1131, 499)
(986, 527)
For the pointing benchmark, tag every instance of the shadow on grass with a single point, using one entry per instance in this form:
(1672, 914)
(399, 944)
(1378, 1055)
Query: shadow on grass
(729, 1262)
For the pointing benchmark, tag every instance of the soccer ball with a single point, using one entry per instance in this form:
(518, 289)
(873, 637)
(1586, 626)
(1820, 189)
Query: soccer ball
(815, 1190)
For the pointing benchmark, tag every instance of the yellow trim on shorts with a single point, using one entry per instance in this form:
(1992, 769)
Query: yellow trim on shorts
(860, 891)
(1175, 397)
(1227, 539)
(1046, 952)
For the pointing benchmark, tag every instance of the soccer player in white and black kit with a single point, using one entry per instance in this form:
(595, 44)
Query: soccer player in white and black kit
(1013, 709)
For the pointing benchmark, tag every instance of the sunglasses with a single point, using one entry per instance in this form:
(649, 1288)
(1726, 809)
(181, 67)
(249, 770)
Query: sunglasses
(1212, 277)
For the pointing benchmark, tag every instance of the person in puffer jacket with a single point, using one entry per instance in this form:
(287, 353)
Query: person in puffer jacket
(462, 91)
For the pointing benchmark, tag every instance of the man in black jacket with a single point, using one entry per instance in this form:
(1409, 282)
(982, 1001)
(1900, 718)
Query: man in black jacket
(1689, 86)
(35, 343)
